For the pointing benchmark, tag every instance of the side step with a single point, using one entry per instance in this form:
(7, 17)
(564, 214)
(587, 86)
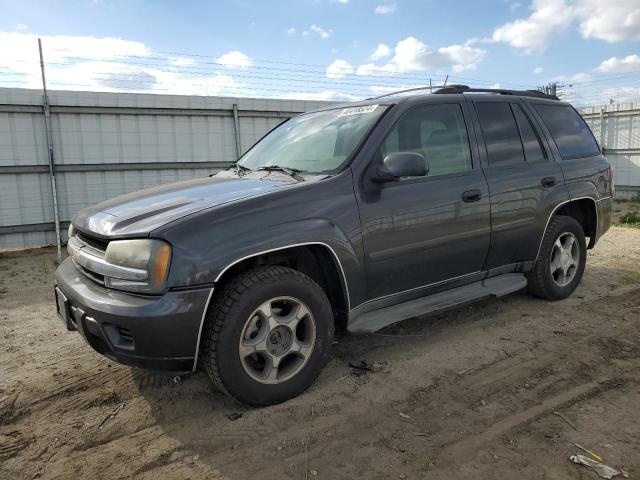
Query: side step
(495, 286)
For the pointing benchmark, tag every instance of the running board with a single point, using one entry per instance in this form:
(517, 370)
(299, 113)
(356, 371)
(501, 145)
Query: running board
(495, 286)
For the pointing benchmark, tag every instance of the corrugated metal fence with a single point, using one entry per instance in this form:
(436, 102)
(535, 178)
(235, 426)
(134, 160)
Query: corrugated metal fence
(106, 144)
(617, 128)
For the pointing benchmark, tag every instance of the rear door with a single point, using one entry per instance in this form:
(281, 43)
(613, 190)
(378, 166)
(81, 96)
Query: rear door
(524, 180)
(422, 232)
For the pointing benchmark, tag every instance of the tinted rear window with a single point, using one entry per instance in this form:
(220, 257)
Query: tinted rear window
(533, 150)
(570, 132)
(501, 135)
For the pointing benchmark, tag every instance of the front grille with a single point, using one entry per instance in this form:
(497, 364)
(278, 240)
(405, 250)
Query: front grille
(92, 241)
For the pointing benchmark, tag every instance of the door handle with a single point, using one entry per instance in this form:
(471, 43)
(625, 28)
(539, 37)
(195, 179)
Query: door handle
(548, 181)
(471, 196)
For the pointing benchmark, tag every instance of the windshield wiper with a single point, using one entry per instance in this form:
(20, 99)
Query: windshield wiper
(292, 172)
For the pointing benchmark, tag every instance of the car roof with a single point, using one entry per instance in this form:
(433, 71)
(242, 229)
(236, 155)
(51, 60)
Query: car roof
(456, 92)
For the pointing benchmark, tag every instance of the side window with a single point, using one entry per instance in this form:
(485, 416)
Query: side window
(436, 131)
(501, 134)
(570, 132)
(533, 149)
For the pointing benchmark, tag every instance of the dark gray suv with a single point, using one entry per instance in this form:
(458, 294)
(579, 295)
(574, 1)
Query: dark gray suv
(352, 217)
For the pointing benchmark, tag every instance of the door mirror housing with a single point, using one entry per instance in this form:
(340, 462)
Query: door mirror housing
(401, 164)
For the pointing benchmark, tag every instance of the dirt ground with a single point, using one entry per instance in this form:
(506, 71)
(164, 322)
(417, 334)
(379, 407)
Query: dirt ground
(470, 394)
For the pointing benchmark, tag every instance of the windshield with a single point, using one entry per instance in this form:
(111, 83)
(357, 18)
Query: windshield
(315, 142)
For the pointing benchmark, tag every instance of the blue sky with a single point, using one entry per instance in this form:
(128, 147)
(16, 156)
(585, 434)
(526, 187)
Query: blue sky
(324, 49)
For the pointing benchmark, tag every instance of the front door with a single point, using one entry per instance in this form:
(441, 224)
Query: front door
(421, 232)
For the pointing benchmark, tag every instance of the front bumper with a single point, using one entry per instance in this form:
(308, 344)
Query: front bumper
(155, 332)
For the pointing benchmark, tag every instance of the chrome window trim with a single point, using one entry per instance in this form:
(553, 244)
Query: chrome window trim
(206, 307)
(82, 256)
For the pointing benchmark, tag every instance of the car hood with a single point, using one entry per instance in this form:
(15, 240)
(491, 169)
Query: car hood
(140, 212)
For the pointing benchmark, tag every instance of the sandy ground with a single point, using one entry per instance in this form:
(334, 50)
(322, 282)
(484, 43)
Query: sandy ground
(470, 394)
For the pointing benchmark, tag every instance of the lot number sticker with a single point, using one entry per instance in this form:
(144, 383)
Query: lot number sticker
(358, 110)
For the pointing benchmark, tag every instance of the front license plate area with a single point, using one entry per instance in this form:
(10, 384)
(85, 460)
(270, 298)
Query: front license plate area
(63, 309)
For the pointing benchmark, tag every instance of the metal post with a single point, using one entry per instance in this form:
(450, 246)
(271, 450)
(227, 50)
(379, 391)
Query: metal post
(236, 123)
(445, 80)
(603, 131)
(430, 89)
(52, 173)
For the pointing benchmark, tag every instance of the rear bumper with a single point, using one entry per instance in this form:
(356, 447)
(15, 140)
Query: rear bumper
(154, 332)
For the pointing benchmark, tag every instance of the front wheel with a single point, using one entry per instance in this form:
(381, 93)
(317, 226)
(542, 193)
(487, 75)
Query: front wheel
(268, 335)
(560, 264)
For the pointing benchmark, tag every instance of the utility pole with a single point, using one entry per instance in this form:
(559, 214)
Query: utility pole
(52, 173)
(550, 88)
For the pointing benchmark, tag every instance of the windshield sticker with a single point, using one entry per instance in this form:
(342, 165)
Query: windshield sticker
(358, 110)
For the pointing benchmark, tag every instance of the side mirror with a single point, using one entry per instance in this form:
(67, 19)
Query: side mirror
(401, 164)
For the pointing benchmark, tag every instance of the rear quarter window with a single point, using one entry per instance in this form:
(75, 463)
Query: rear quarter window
(569, 131)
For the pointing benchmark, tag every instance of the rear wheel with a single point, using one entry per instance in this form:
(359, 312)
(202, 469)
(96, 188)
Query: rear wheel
(561, 261)
(268, 335)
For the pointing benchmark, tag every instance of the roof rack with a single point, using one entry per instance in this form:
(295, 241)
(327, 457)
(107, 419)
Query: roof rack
(501, 91)
(418, 88)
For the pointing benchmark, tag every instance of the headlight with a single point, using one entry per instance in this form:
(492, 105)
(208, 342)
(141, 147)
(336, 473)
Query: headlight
(152, 256)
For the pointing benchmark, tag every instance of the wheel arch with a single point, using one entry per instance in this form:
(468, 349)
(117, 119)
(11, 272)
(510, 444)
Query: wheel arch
(317, 260)
(584, 210)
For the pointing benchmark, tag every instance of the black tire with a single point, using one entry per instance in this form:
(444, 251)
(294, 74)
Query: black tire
(540, 280)
(226, 321)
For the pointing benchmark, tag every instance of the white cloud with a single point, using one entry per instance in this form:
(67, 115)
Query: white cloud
(611, 21)
(386, 9)
(181, 61)
(533, 33)
(291, 30)
(102, 64)
(21, 27)
(371, 69)
(235, 59)
(321, 32)
(344, 2)
(339, 69)
(381, 51)
(629, 63)
(537, 71)
(411, 54)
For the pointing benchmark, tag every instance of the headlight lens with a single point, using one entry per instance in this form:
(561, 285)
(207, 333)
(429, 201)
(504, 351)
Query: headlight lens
(151, 255)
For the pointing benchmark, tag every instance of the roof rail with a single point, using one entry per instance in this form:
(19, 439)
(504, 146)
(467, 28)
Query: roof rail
(431, 87)
(522, 93)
